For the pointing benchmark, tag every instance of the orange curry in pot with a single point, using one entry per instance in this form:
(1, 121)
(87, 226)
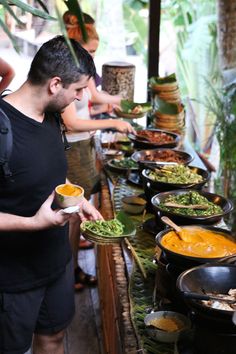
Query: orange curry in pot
(199, 242)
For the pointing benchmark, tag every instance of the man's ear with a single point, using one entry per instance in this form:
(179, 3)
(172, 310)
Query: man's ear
(55, 84)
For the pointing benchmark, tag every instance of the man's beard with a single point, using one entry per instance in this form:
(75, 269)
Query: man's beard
(56, 106)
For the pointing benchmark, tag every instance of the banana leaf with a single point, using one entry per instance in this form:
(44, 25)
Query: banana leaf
(166, 107)
(162, 80)
(128, 106)
(129, 227)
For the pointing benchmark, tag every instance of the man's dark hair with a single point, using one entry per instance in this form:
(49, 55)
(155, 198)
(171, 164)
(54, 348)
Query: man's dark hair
(54, 58)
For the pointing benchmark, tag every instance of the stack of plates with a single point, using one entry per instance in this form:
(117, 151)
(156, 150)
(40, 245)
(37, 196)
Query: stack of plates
(169, 112)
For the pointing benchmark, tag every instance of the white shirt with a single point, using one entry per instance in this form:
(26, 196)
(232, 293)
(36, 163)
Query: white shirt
(82, 108)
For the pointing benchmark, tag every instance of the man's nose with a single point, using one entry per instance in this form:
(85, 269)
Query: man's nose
(79, 95)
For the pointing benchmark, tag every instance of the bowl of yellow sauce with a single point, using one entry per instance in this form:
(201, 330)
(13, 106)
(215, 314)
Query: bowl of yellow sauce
(166, 326)
(197, 243)
(68, 195)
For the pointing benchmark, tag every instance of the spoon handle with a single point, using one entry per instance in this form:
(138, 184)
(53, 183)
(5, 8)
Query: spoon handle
(192, 295)
(169, 222)
(193, 206)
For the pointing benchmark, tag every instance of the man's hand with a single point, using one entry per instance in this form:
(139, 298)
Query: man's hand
(46, 217)
(88, 211)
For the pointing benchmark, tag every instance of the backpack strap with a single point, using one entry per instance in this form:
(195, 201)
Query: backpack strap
(63, 131)
(6, 144)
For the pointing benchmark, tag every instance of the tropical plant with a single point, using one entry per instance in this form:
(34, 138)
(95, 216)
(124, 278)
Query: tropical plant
(194, 23)
(42, 12)
(222, 103)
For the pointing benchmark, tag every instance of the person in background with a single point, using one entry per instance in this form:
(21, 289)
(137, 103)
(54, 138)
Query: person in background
(6, 73)
(36, 272)
(82, 155)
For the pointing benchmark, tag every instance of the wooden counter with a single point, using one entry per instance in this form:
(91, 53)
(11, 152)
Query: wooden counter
(114, 266)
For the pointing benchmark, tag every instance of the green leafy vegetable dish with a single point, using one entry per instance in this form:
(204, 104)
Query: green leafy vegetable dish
(111, 228)
(176, 174)
(109, 231)
(190, 198)
(123, 164)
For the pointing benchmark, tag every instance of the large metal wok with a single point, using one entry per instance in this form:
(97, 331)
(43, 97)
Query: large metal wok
(210, 278)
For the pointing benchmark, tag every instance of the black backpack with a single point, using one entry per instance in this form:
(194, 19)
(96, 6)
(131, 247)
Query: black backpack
(6, 143)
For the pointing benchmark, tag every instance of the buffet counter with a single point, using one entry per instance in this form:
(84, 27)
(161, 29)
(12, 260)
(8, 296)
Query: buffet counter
(127, 276)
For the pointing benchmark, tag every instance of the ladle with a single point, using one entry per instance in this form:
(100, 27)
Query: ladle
(177, 229)
(180, 232)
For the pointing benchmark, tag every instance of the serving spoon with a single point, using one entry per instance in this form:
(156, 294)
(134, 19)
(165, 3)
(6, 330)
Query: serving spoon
(179, 231)
(190, 206)
(219, 297)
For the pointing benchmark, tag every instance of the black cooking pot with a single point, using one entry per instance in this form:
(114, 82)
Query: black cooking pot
(213, 278)
(225, 204)
(156, 157)
(142, 143)
(164, 186)
(183, 261)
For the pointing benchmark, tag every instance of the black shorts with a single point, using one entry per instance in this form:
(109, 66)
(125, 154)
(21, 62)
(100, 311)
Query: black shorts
(44, 310)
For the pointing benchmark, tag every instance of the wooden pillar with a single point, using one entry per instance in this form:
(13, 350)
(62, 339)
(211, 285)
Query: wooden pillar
(154, 37)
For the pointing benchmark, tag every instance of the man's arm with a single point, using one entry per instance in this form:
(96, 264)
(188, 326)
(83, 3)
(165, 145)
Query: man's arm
(44, 218)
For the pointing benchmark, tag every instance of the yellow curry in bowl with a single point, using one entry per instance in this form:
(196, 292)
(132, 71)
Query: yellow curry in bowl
(69, 190)
(199, 242)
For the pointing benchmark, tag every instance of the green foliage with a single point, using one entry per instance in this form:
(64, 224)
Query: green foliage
(162, 80)
(136, 27)
(72, 5)
(194, 24)
(222, 103)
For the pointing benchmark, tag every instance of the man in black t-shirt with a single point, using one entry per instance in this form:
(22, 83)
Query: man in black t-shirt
(36, 278)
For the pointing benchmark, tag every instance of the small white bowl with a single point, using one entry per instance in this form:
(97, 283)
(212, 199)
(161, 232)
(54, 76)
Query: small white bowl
(133, 204)
(68, 195)
(162, 335)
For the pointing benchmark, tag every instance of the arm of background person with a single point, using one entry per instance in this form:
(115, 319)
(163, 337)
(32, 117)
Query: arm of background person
(6, 73)
(102, 97)
(73, 123)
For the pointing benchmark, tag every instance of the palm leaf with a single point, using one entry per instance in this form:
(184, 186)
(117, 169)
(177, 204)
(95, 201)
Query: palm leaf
(11, 12)
(44, 7)
(25, 7)
(74, 7)
(6, 30)
(64, 32)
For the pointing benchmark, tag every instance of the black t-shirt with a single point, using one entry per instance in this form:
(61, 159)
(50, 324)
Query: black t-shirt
(38, 164)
